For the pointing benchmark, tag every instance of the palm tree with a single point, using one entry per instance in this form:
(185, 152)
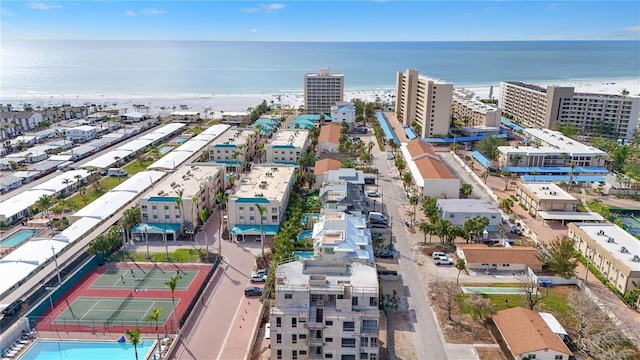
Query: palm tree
(180, 193)
(154, 317)
(261, 210)
(414, 200)
(135, 338)
(172, 284)
(407, 179)
(534, 173)
(485, 175)
(460, 265)
(466, 190)
(507, 175)
(427, 229)
(572, 165)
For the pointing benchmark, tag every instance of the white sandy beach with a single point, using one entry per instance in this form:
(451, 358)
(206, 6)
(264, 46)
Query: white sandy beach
(215, 104)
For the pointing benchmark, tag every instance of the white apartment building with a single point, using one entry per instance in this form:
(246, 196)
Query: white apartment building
(609, 115)
(325, 309)
(185, 116)
(470, 111)
(424, 101)
(195, 185)
(611, 250)
(548, 149)
(15, 122)
(235, 117)
(457, 211)
(344, 112)
(269, 186)
(81, 133)
(338, 236)
(287, 145)
(322, 91)
(235, 147)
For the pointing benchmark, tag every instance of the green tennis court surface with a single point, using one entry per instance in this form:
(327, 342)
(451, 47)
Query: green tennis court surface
(492, 290)
(135, 278)
(116, 311)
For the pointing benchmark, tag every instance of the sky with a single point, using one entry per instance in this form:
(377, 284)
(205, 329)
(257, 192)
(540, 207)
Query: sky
(304, 20)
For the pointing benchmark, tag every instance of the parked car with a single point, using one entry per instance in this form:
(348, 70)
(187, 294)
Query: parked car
(267, 331)
(441, 260)
(258, 278)
(260, 272)
(253, 291)
(373, 194)
(12, 308)
(436, 254)
(385, 255)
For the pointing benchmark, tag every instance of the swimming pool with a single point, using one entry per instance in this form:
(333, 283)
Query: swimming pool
(18, 237)
(165, 149)
(303, 254)
(82, 350)
(181, 140)
(305, 234)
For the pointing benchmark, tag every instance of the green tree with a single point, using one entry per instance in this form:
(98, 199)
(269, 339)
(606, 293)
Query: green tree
(506, 175)
(466, 190)
(414, 200)
(172, 284)
(262, 210)
(155, 317)
(460, 266)
(135, 338)
(485, 175)
(427, 229)
(558, 255)
(489, 146)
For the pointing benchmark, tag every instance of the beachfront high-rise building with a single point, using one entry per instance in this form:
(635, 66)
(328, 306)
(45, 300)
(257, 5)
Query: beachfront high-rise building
(608, 115)
(322, 91)
(423, 103)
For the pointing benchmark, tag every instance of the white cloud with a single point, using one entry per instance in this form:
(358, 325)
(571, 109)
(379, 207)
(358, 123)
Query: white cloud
(152, 11)
(43, 6)
(149, 12)
(254, 31)
(6, 12)
(267, 8)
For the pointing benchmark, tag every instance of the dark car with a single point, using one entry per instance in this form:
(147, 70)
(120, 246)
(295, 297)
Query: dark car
(253, 291)
(12, 308)
(385, 255)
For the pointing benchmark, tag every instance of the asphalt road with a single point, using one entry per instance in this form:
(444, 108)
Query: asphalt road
(428, 340)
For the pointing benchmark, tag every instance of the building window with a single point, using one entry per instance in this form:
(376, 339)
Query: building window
(348, 357)
(348, 326)
(374, 342)
(370, 324)
(303, 352)
(155, 217)
(294, 322)
(452, 216)
(294, 338)
(531, 356)
(373, 301)
(252, 218)
(153, 207)
(279, 354)
(166, 207)
(558, 357)
(278, 338)
(241, 218)
(354, 301)
(329, 339)
(364, 356)
(348, 343)
(329, 323)
(250, 208)
(144, 207)
(364, 341)
(278, 322)
(373, 356)
(302, 336)
(274, 218)
(167, 217)
(328, 356)
(241, 208)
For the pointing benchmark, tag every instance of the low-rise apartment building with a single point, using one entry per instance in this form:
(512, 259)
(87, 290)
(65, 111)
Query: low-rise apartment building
(321, 170)
(268, 186)
(14, 122)
(185, 116)
(81, 133)
(329, 138)
(470, 111)
(178, 199)
(344, 112)
(423, 103)
(325, 309)
(609, 115)
(235, 117)
(457, 211)
(428, 171)
(612, 250)
(549, 148)
(545, 197)
(287, 146)
(235, 147)
(343, 196)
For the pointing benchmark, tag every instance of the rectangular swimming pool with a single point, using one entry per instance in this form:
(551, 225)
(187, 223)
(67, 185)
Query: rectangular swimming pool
(165, 149)
(83, 350)
(181, 140)
(18, 237)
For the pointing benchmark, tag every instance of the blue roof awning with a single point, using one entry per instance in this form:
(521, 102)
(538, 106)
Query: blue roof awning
(565, 178)
(254, 200)
(254, 229)
(155, 228)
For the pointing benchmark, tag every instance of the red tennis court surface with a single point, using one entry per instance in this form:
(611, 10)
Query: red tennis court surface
(120, 296)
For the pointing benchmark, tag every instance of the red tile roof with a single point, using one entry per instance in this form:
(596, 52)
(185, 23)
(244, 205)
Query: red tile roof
(330, 133)
(483, 254)
(418, 147)
(324, 165)
(526, 332)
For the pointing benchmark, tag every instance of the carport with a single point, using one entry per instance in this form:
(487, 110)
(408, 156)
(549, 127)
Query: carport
(241, 231)
(569, 216)
(157, 228)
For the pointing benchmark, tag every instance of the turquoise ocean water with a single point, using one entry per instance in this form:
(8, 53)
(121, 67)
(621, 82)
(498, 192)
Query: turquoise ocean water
(113, 68)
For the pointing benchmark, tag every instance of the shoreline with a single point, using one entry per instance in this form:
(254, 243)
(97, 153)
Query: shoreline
(216, 103)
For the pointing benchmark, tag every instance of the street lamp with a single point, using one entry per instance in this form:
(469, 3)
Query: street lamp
(51, 289)
(55, 259)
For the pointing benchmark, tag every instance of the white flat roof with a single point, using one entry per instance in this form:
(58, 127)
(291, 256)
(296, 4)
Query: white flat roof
(179, 155)
(57, 183)
(21, 201)
(233, 136)
(106, 160)
(83, 128)
(547, 191)
(561, 143)
(468, 205)
(134, 145)
(257, 181)
(621, 238)
(77, 230)
(235, 113)
(170, 161)
(295, 137)
(13, 272)
(362, 276)
(185, 113)
(570, 215)
(187, 178)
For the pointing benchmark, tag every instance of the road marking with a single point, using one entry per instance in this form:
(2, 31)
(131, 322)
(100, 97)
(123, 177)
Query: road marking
(224, 343)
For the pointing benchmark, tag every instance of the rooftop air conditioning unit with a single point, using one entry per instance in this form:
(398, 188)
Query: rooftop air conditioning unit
(636, 258)
(161, 192)
(624, 250)
(611, 240)
(601, 232)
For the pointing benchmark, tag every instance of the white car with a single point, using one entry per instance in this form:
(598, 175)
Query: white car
(443, 260)
(258, 278)
(373, 194)
(267, 331)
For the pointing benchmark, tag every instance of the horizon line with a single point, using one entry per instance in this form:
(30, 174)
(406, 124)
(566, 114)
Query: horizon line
(326, 41)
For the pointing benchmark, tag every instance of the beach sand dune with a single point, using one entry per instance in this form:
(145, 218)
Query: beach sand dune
(216, 104)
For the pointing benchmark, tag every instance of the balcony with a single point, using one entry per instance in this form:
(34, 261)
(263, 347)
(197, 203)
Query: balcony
(315, 341)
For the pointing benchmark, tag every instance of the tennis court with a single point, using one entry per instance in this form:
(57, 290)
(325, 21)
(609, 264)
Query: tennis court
(140, 278)
(95, 311)
(492, 290)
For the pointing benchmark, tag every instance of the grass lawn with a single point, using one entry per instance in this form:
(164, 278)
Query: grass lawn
(180, 255)
(194, 130)
(135, 166)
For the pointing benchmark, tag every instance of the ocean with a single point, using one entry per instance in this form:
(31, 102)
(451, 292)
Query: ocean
(178, 68)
